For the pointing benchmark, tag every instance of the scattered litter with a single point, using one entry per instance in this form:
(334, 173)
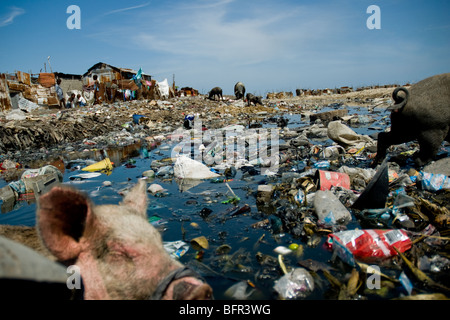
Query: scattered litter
(302, 185)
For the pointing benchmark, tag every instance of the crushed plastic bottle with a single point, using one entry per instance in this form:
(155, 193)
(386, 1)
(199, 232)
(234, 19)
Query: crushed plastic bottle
(329, 209)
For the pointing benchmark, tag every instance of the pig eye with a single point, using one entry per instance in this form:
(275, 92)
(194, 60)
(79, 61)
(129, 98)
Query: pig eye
(120, 255)
(117, 251)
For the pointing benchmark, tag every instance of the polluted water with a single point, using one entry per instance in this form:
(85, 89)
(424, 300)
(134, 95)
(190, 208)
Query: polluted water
(254, 232)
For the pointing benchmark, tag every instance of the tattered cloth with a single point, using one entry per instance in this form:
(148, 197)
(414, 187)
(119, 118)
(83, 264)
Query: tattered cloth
(127, 84)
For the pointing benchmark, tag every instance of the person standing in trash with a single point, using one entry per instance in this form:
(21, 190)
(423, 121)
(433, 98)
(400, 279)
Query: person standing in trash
(188, 121)
(60, 94)
(96, 90)
(114, 88)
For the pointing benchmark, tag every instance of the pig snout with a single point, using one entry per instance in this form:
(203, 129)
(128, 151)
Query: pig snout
(187, 291)
(189, 287)
(120, 255)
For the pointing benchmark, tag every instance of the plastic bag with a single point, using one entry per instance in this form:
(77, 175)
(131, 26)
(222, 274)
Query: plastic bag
(239, 291)
(163, 88)
(42, 171)
(371, 244)
(346, 137)
(297, 283)
(434, 182)
(187, 168)
(176, 249)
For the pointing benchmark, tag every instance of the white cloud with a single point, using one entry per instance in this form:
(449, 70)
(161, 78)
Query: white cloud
(126, 9)
(220, 43)
(9, 18)
(276, 45)
(213, 33)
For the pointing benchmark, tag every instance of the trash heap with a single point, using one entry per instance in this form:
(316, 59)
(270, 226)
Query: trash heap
(389, 223)
(52, 132)
(386, 229)
(388, 218)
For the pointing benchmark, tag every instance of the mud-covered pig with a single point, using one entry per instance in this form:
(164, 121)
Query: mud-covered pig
(253, 99)
(239, 90)
(119, 253)
(420, 113)
(216, 91)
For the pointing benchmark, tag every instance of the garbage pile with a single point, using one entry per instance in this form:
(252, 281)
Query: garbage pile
(389, 223)
(392, 217)
(329, 226)
(57, 132)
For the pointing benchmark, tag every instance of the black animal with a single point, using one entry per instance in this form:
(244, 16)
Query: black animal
(253, 99)
(216, 91)
(421, 113)
(239, 90)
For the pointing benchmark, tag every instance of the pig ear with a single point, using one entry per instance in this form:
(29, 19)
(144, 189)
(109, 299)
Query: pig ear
(137, 199)
(61, 218)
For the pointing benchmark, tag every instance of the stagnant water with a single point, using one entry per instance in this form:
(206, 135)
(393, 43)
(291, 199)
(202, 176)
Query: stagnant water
(182, 214)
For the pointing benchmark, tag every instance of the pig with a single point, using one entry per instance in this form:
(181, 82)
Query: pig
(216, 91)
(119, 253)
(253, 99)
(239, 90)
(420, 113)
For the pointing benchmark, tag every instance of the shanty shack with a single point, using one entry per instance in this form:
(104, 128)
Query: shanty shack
(116, 82)
(21, 89)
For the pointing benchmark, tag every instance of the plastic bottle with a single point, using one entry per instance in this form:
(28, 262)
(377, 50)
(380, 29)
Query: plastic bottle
(329, 209)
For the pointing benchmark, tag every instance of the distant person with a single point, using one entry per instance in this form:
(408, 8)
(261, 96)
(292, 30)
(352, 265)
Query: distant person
(71, 101)
(81, 102)
(114, 88)
(96, 89)
(60, 94)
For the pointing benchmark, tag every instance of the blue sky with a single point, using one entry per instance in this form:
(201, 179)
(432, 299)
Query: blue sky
(270, 45)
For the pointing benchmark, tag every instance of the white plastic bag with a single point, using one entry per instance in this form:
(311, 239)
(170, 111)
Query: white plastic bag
(187, 168)
(297, 283)
(163, 88)
(346, 137)
(176, 249)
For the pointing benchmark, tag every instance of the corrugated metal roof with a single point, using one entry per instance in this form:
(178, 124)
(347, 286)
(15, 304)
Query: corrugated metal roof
(118, 69)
